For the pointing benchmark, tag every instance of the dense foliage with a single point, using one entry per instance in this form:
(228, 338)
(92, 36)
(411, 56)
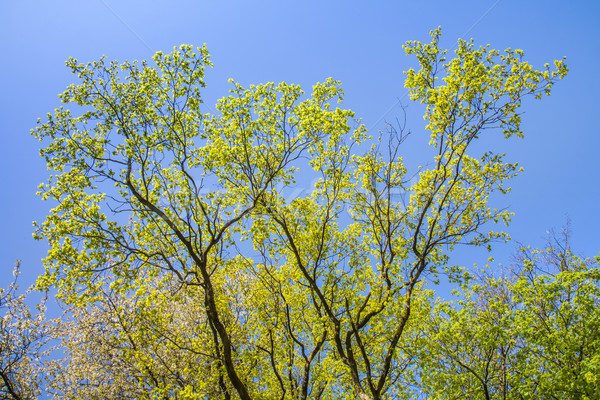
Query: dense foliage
(531, 334)
(186, 273)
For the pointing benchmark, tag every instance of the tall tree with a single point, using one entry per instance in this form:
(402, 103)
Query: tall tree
(307, 297)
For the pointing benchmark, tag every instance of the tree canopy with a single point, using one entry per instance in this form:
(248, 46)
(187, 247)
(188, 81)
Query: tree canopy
(529, 334)
(186, 272)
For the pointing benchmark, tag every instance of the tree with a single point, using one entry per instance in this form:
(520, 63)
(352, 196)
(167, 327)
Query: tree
(533, 334)
(300, 298)
(558, 298)
(23, 343)
(154, 343)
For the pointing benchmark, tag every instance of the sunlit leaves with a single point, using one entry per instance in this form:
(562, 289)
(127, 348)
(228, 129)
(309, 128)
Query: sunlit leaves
(162, 209)
(532, 334)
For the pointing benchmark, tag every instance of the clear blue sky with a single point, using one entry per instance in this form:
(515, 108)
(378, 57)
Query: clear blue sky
(357, 42)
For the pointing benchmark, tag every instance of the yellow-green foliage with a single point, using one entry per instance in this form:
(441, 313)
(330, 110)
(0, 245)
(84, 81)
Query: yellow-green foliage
(532, 334)
(294, 298)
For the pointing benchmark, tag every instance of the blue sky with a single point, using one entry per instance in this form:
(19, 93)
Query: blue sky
(357, 42)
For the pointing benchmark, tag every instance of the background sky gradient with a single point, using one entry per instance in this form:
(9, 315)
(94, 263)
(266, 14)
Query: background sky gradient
(357, 42)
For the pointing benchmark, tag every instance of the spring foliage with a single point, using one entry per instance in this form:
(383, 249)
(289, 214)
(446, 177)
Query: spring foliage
(170, 223)
(533, 333)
